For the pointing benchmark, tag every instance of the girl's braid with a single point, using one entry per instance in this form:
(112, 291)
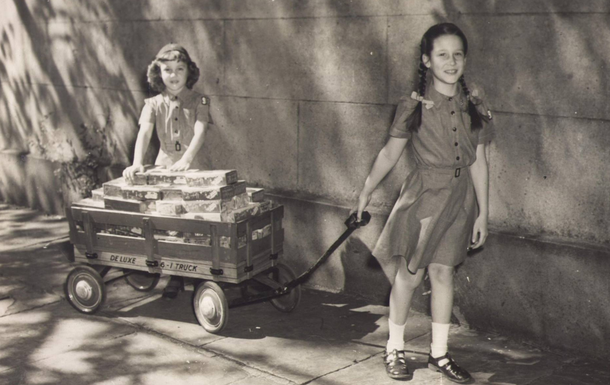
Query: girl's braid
(415, 118)
(465, 87)
(422, 71)
(476, 121)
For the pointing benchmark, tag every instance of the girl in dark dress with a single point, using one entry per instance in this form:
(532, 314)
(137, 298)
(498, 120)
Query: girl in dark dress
(442, 209)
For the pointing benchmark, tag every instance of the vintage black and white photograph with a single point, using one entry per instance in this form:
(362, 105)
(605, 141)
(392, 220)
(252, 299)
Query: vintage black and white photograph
(304, 192)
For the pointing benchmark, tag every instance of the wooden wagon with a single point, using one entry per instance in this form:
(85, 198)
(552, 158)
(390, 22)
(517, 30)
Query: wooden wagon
(215, 255)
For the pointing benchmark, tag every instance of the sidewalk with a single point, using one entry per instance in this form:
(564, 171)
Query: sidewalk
(140, 338)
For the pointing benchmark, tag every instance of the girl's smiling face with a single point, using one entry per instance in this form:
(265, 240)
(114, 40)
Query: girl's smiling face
(446, 61)
(174, 75)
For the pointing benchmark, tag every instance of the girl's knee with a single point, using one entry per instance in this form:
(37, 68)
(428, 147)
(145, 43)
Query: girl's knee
(440, 273)
(408, 280)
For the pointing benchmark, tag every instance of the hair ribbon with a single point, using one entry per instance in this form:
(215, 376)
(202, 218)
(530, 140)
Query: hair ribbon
(428, 103)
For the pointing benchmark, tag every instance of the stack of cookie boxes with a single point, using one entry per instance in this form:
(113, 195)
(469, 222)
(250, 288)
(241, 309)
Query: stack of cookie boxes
(215, 195)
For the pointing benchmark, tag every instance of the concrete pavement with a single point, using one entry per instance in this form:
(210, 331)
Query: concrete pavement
(140, 338)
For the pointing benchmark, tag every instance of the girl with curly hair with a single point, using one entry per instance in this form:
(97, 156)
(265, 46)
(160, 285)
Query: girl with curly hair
(181, 117)
(179, 114)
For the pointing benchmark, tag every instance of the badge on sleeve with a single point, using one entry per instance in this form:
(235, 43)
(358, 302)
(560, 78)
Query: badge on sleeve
(204, 101)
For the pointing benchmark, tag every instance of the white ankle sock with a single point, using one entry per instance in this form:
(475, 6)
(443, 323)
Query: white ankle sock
(440, 335)
(397, 337)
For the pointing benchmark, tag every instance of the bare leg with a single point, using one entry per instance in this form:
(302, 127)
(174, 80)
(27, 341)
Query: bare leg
(400, 302)
(441, 280)
(402, 293)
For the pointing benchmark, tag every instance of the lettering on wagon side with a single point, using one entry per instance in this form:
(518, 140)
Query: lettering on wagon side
(122, 259)
(178, 266)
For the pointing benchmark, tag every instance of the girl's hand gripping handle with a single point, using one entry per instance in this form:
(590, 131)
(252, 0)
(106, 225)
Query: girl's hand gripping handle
(353, 222)
(363, 201)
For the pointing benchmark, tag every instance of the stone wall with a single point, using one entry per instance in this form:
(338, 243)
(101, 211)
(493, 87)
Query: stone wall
(302, 94)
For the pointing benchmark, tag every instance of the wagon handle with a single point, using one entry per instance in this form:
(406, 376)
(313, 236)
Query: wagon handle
(353, 222)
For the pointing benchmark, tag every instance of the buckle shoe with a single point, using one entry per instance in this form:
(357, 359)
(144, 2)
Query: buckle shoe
(174, 286)
(451, 369)
(396, 365)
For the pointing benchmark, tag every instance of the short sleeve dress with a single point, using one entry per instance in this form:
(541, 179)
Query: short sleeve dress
(174, 118)
(432, 220)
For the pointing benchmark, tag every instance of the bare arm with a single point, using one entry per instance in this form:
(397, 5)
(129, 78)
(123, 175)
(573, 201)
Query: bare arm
(385, 161)
(480, 179)
(142, 142)
(184, 163)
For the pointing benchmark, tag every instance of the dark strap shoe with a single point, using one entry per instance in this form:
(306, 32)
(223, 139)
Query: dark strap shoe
(174, 286)
(450, 369)
(396, 365)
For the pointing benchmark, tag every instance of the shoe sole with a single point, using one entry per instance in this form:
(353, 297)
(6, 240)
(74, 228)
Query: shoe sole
(436, 369)
(400, 378)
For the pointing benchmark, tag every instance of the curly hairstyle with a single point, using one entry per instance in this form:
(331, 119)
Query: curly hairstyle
(153, 74)
(426, 46)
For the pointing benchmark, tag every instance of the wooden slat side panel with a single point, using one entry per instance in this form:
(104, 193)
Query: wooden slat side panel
(185, 251)
(118, 218)
(231, 273)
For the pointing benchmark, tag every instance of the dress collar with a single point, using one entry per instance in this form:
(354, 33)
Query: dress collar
(439, 99)
(181, 97)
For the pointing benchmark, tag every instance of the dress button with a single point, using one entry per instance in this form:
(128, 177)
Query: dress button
(176, 131)
(452, 112)
(450, 99)
(176, 119)
(454, 128)
(457, 158)
(456, 143)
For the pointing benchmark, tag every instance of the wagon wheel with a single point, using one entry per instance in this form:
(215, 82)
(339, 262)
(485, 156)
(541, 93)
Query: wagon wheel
(141, 280)
(290, 301)
(211, 306)
(84, 289)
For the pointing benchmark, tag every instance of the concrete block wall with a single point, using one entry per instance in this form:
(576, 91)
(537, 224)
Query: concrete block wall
(302, 96)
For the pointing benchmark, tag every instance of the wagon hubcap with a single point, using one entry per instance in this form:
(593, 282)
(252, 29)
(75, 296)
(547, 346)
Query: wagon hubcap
(84, 290)
(208, 307)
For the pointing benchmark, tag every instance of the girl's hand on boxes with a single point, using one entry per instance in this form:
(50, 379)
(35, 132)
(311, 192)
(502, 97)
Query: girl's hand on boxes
(181, 165)
(130, 172)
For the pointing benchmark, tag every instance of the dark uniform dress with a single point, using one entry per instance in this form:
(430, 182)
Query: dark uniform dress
(174, 118)
(432, 220)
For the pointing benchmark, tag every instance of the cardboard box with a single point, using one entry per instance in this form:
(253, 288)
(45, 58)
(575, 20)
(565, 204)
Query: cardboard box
(120, 204)
(217, 206)
(256, 194)
(239, 187)
(166, 178)
(208, 193)
(114, 188)
(241, 201)
(171, 193)
(122, 230)
(198, 239)
(90, 202)
(262, 232)
(97, 194)
(141, 193)
(174, 208)
(212, 217)
(211, 178)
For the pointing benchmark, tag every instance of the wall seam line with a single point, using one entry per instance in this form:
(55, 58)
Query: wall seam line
(387, 59)
(482, 14)
(298, 142)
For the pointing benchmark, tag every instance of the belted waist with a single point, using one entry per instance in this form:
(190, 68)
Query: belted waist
(441, 170)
